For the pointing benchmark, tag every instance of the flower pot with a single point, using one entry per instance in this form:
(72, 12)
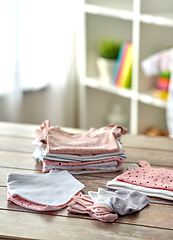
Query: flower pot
(105, 69)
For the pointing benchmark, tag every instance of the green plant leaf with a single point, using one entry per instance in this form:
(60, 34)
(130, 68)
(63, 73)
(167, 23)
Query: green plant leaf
(109, 48)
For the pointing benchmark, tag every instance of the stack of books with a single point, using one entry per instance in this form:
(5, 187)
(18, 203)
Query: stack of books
(123, 66)
(162, 85)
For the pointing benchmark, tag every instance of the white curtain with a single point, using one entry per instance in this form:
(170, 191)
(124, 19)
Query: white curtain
(37, 50)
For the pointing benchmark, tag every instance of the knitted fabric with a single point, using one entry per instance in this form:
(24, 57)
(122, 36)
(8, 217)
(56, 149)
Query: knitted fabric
(156, 182)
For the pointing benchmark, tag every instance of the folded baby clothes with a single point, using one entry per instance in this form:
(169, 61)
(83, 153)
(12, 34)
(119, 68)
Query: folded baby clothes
(101, 197)
(156, 182)
(121, 201)
(79, 169)
(83, 204)
(95, 141)
(79, 158)
(125, 201)
(107, 205)
(98, 150)
(95, 163)
(52, 190)
(36, 206)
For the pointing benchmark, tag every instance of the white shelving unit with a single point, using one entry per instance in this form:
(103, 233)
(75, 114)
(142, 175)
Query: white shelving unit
(148, 24)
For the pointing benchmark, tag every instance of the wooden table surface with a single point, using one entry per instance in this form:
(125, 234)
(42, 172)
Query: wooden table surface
(153, 222)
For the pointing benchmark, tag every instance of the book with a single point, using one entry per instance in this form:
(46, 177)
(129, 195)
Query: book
(127, 83)
(165, 74)
(115, 71)
(119, 62)
(125, 75)
(162, 83)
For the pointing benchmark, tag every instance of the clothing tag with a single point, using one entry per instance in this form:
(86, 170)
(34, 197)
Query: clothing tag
(132, 165)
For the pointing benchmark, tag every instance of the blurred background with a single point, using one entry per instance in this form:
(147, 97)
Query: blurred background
(37, 57)
(85, 63)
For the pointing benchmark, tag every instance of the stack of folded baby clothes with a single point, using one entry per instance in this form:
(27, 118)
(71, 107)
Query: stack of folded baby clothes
(98, 150)
(43, 192)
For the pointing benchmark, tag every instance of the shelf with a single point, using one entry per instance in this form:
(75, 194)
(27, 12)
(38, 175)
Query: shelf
(93, 83)
(161, 19)
(103, 11)
(146, 98)
(118, 5)
(147, 24)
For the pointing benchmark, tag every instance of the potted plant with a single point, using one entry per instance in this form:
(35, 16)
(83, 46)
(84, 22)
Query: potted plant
(108, 53)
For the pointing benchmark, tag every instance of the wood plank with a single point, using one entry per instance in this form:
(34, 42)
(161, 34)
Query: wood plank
(147, 142)
(154, 157)
(19, 160)
(17, 129)
(39, 226)
(128, 140)
(27, 130)
(154, 215)
(17, 144)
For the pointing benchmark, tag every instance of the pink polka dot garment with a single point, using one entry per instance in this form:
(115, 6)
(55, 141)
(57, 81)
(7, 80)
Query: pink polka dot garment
(146, 176)
(95, 141)
(112, 164)
(35, 206)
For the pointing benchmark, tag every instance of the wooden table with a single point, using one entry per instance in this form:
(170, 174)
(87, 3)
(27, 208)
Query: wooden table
(153, 222)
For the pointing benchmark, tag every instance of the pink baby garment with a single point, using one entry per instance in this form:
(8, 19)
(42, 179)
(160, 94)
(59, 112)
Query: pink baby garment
(90, 170)
(157, 182)
(35, 206)
(78, 168)
(55, 188)
(95, 141)
(83, 204)
(97, 163)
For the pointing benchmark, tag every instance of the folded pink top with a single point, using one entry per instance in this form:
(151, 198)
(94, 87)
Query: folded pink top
(81, 163)
(95, 141)
(146, 176)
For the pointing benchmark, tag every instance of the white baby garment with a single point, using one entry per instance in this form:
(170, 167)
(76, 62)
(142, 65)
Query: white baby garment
(54, 188)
